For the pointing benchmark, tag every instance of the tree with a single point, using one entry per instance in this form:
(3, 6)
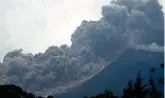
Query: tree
(128, 92)
(136, 90)
(13, 91)
(154, 93)
(106, 94)
(50, 96)
(139, 88)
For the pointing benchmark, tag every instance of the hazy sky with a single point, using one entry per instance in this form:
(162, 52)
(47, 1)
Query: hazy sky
(36, 24)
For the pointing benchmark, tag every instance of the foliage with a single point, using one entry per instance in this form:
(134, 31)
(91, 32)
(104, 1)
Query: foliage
(13, 91)
(136, 89)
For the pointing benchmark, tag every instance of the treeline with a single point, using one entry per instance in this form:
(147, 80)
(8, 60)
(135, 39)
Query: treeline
(13, 91)
(138, 89)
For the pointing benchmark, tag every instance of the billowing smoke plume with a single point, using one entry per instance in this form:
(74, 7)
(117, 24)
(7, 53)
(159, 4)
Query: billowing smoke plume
(124, 24)
(55, 69)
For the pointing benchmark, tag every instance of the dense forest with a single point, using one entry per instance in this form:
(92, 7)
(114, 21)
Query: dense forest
(125, 24)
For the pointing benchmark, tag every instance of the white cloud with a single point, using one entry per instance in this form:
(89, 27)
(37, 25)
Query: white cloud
(151, 47)
(36, 24)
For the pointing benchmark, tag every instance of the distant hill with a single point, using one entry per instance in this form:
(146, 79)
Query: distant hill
(117, 74)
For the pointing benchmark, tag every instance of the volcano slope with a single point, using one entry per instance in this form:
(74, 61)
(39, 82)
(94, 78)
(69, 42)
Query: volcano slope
(117, 74)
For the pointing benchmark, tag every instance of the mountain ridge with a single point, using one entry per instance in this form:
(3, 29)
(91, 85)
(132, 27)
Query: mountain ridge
(127, 64)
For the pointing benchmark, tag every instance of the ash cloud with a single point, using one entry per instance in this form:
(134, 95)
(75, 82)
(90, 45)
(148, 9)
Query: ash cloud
(36, 24)
(95, 44)
(53, 69)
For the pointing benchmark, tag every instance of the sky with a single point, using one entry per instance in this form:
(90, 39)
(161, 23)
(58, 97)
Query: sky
(34, 25)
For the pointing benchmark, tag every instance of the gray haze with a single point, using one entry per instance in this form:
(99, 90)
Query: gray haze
(36, 24)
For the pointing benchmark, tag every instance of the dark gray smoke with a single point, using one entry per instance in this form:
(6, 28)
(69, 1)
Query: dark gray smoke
(53, 69)
(124, 23)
